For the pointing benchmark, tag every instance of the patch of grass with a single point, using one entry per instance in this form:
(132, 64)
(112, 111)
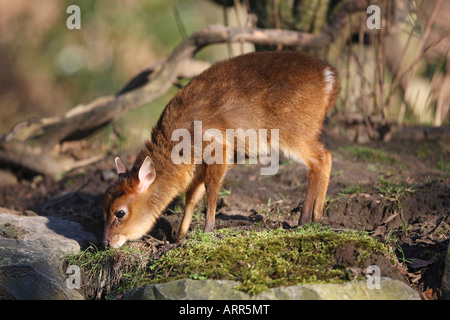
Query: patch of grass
(402, 257)
(177, 206)
(353, 189)
(369, 154)
(393, 190)
(224, 192)
(266, 208)
(443, 165)
(337, 173)
(110, 272)
(423, 152)
(283, 197)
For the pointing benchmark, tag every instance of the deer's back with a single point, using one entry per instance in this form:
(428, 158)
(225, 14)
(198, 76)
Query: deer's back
(283, 90)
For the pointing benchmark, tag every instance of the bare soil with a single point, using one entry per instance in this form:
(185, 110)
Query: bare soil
(399, 191)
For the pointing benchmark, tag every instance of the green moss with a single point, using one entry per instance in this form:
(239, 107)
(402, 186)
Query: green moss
(10, 231)
(353, 189)
(262, 260)
(369, 154)
(393, 190)
(258, 260)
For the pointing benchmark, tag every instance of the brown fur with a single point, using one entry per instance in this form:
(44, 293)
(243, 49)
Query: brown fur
(266, 90)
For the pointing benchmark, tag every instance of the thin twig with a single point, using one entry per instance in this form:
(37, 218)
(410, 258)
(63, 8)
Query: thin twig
(178, 20)
(168, 272)
(410, 72)
(276, 13)
(225, 22)
(238, 21)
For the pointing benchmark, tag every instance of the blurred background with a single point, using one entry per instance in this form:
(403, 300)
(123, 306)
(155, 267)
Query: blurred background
(46, 69)
(400, 76)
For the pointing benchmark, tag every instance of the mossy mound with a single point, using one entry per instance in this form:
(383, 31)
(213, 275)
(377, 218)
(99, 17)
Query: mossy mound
(256, 260)
(267, 259)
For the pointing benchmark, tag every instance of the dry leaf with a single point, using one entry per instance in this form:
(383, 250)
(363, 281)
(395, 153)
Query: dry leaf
(431, 294)
(417, 263)
(415, 277)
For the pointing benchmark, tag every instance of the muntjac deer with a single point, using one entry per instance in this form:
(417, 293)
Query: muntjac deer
(288, 93)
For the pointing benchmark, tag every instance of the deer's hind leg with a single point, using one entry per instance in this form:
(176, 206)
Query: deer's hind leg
(318, 161)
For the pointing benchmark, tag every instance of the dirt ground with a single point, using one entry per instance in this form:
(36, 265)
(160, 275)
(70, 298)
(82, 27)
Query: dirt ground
(399, 191)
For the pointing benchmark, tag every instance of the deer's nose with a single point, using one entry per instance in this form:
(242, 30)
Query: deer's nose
(106, 244)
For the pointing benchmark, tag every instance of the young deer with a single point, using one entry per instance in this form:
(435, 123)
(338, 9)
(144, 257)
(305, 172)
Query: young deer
(288, 91)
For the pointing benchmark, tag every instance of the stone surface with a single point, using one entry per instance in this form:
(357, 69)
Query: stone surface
(187, 289)
(30, 251)
(390, 290)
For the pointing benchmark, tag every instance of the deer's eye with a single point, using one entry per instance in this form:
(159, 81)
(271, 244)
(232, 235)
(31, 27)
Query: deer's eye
(120, 213)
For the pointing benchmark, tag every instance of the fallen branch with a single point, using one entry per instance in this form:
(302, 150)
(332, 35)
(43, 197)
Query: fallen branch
(32, 145)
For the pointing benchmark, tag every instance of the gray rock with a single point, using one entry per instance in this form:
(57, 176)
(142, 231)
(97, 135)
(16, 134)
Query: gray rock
(31, 248)
(187, 289)
(445, 285)
(389, 290)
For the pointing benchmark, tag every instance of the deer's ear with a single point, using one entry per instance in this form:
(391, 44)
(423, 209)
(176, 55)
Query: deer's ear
(146, 175)
(119, 166)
